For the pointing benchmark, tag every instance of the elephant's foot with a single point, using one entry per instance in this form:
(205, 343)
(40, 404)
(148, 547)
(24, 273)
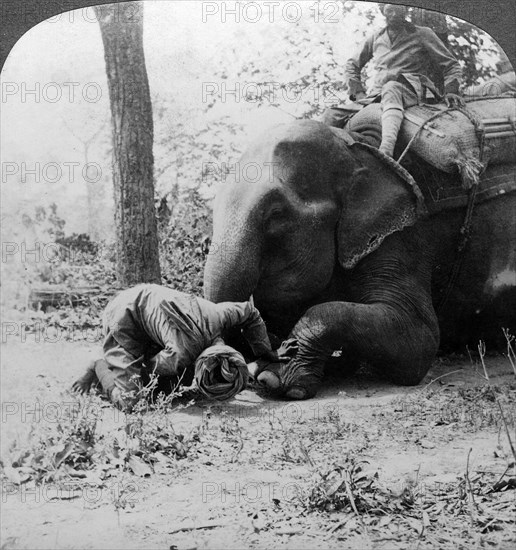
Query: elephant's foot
(297, 394)
(268, 376)
(285, 380)
(271, 380)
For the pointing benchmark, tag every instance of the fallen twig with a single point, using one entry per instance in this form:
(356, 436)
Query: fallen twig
(349, 492)
(239, 448)
(513, 450)
(471, 497)
(511, 354)
(482, 352)
(306, 455)
(195, 527)
(439, 377)
(289, 531)
(337, 526)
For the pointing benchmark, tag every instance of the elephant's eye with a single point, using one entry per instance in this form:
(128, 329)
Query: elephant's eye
(277, 213)
(276, 221)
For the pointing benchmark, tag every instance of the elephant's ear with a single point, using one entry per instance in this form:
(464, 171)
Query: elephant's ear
(383, 198)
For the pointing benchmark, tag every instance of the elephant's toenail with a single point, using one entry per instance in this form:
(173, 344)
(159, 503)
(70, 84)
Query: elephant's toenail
(296, 393)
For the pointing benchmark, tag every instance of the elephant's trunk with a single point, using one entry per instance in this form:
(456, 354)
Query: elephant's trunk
(231, 272)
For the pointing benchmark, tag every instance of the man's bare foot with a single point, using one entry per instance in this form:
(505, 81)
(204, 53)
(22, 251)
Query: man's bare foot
(87, 380)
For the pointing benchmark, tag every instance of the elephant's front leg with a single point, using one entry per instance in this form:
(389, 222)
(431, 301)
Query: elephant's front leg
(402, 349)
(392, 325)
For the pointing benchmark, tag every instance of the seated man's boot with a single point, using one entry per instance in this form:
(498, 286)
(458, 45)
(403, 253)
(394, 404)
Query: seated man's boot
(391, 123)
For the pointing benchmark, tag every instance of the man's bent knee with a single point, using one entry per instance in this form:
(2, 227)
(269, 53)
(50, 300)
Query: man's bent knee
(392, 96)
(396, 95)
(392, 87)
(335, 117)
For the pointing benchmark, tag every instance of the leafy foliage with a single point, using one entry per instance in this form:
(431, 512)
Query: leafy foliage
(188, 142)
(475, 49)
(184, 237)
(55, 451)
(309, 76)
(79, 244)
(74, 447)
(56, 286)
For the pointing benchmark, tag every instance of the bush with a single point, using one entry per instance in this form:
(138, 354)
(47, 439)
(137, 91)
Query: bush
(79, 245)
(184, 239)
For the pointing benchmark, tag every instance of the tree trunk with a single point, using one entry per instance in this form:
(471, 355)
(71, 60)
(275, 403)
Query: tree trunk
(121, 27)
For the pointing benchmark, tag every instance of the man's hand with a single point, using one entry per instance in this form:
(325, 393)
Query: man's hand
(454, 101)
(284, 353)
(288, 349)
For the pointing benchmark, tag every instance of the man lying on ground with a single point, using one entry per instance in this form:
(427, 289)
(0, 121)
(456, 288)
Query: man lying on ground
(150, 329)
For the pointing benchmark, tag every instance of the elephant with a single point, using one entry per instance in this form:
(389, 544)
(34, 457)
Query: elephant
(333, 243)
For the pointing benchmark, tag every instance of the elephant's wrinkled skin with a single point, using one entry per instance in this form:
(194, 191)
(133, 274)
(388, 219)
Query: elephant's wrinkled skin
(298, 208)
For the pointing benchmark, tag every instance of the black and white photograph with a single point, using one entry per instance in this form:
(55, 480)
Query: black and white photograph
(258, 275)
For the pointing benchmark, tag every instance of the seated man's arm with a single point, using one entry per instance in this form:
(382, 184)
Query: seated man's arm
(444, 59)
(354, 66)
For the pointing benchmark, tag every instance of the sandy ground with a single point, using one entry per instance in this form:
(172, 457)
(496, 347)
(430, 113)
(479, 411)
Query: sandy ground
(239, 496)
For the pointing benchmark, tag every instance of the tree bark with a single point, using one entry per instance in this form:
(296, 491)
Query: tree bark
(121, 27)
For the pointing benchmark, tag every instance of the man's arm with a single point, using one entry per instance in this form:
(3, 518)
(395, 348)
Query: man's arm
(245, 316)
(354, 66)
(164, 363)
(443, 58)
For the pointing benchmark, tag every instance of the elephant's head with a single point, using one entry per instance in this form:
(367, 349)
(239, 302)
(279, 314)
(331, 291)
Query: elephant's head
(300, 202)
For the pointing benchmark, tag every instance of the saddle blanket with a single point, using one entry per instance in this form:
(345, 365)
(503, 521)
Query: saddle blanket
(442, 192)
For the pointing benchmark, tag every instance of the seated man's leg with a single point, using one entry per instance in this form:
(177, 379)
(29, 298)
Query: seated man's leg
(395, 98)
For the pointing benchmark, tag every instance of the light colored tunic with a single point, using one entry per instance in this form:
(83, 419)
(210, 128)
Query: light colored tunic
(406, 56)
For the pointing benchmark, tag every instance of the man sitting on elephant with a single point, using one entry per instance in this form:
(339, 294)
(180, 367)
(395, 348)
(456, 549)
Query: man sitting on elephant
(154, 329)
(400, 52)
